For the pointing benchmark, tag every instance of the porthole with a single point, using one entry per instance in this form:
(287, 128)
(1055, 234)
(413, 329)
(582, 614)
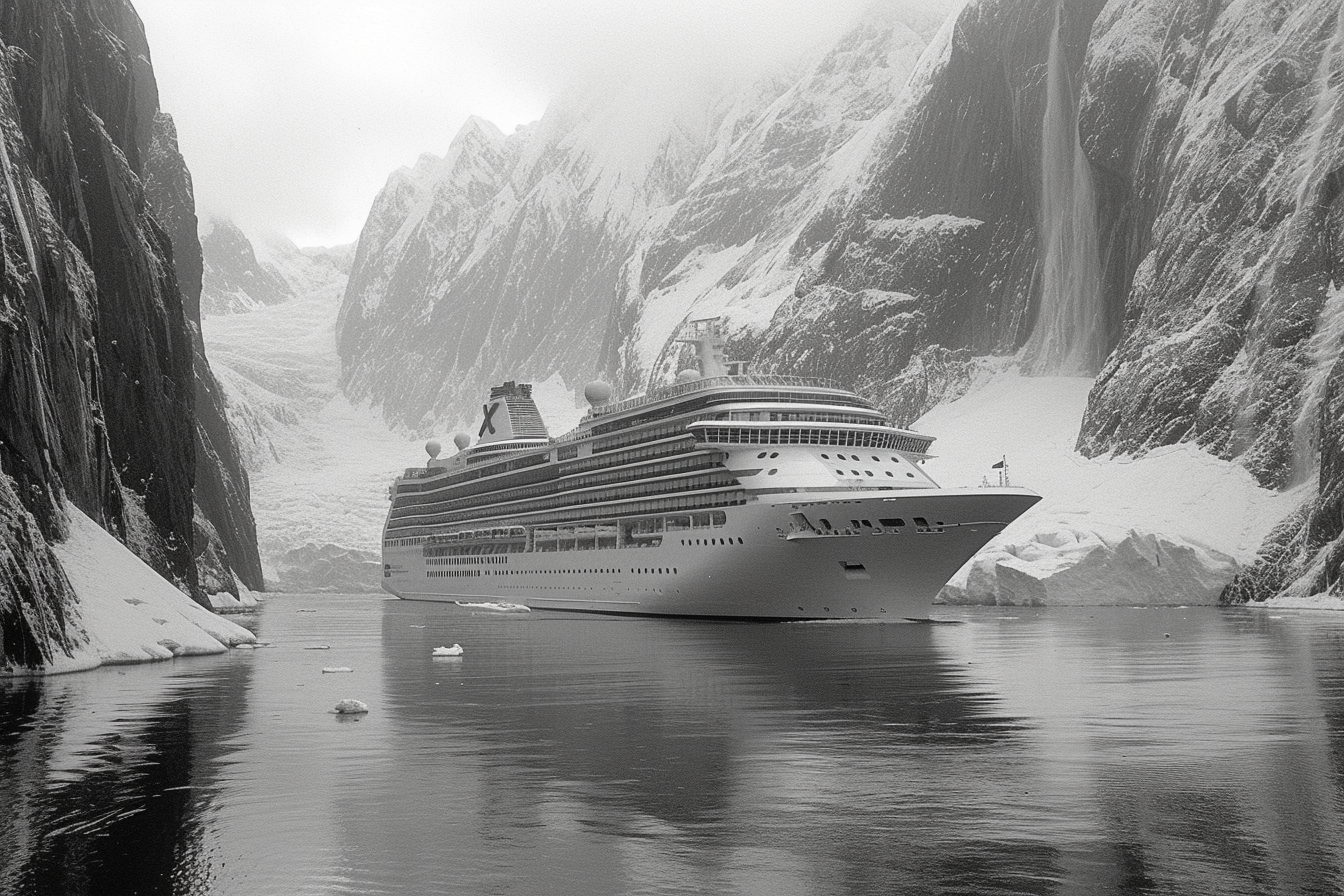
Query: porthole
(876, 458)
(855, 472)
(759, 456)
(824, 457)
(868, 472)
(774, 454)
(773, 471)
(910, 475)
(839, 472)
(889, 473)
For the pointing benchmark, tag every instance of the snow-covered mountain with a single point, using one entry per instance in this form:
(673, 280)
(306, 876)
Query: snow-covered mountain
(240, 276)
(517, 256)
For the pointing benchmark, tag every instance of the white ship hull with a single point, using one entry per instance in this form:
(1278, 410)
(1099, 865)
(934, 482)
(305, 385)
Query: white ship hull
(771, 560)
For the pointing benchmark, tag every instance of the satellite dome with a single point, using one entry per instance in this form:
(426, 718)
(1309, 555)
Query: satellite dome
(432, 448)
(461, 440)
(689, 375)
(597, 392)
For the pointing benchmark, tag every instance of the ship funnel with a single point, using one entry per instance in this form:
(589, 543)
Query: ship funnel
(510, 415)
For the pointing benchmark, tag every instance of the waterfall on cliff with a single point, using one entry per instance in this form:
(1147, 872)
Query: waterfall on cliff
(1325, 345)
(1067, 338)
(1329, 81)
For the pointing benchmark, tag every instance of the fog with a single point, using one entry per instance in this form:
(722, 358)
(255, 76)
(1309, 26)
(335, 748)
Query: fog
(291, 113)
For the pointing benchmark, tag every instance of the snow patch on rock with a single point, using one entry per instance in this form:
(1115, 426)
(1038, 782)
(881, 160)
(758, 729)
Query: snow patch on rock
(131, 614)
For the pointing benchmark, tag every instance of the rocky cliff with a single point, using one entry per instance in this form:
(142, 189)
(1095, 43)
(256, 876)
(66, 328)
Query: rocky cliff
(225, 532)
(96, 362)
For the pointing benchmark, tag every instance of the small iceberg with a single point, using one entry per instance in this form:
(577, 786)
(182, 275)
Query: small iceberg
(351, 707)
(328, 669)
(455, 650)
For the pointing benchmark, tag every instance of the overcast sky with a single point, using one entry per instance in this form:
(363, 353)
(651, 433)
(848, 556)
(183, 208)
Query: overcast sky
(291, 113)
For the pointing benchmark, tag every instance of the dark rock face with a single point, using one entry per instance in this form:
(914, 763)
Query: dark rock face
(940, 247)
(96, 361)
(226, 533)
(1304, 555)
(1221, 189)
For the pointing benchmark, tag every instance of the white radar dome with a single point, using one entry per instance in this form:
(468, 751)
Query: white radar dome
(461, 440)
(597, 392)
(689, 375)
(432, 448)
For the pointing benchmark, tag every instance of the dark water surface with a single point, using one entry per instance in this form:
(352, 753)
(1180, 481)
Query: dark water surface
(1020, 751)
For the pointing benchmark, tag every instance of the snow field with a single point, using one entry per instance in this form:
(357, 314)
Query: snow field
(130, 613)
(1169, 527)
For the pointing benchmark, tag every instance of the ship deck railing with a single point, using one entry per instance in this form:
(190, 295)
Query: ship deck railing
(673, 390)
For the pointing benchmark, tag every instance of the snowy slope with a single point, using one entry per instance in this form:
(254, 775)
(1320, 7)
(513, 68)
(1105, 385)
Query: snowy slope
(1169, 527)
(128, 612)
(319, 464)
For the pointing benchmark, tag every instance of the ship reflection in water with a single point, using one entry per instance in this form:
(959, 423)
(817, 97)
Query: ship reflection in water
(1063, 751)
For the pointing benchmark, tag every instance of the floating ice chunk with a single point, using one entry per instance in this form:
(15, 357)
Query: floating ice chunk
(245, 647)
(1097, 565)
(348, 706)
(327, 669)
(455, 650)
(317, 647)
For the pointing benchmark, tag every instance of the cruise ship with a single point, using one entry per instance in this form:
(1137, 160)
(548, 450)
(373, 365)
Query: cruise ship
(723, 494)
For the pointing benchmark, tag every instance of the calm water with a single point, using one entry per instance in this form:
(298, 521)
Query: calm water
(1019, 751)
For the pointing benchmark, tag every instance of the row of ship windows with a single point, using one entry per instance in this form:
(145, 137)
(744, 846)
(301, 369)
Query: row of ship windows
(701, 500)
(452, 573)
(721, 397)
(693, 542)
(895, 460)
(437, 483)
(840, 472)
(421, 504)
(601, 496)
(921, 524)
(800, 417)
(441, 560)
(847, 438)
(547, 477)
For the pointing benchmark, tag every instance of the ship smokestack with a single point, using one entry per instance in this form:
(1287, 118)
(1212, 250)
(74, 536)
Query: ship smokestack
(510, 414)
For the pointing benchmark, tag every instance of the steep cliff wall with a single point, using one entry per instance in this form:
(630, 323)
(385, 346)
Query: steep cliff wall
(939, 249)
(96, 362)
(225, 532)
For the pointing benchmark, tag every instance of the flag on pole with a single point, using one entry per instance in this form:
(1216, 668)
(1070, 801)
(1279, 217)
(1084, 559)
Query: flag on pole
(1000, 465)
